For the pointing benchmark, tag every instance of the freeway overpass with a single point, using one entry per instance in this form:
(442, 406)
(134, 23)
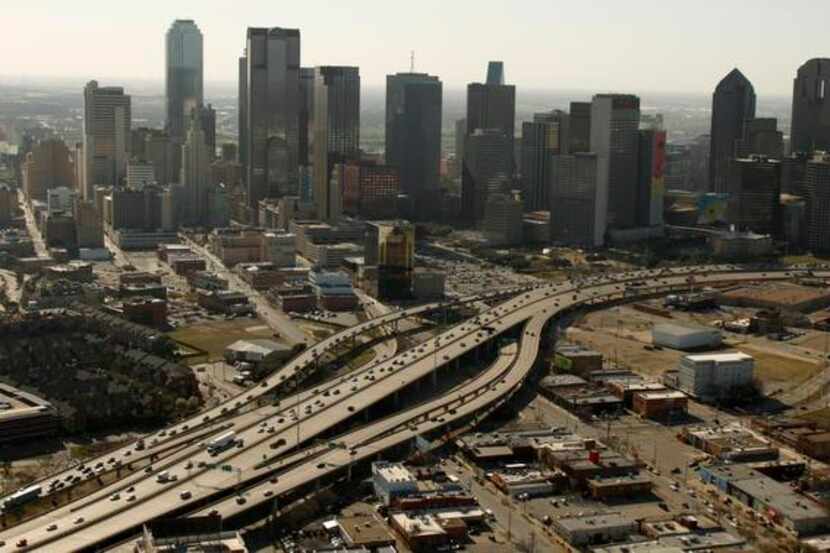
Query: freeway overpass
(269, 465)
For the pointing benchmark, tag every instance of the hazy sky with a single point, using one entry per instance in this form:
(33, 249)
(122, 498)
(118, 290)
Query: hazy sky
(603, 45)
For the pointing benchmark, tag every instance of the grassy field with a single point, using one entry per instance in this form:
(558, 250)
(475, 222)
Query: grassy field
(772, 369)
(214, 336)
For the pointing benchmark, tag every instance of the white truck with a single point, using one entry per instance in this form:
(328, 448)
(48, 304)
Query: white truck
(221, 443)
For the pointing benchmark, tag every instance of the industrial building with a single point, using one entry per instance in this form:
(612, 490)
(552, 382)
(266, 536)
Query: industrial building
(685, 338)
(715, 376)
(263, 354)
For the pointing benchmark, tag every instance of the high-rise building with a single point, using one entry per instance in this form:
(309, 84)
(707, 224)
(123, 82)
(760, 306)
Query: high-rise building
(8, 205)
(492, 105)
(161, 152)
(754, 188)
(369, 190)
(811, 107)
(272, 113)
(336, 133)
(578, 201)
(106, 128)
(196, 175)
(413, 136)
(460, 137)
(761, 137)
(89, 225)
(502, 223)
(615, 120)
(733, 104)
(183, 77)
(580, 119)
(48, 165)
(817, 185)
(306, 114)
(140, 173)
(206, 117)
(547, 135)
(390, 245)
(242, 111)
(651, 184)
(488, 169)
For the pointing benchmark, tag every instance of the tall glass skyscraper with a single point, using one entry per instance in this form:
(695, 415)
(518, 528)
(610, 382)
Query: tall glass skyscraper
(733, 104)
(413, 136)
(184, 75)
(811, 107)
(272, 111)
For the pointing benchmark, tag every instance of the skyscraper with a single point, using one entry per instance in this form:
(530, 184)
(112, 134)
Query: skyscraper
(492, 105)
(272, 110)
(107, 120)
(547, 135)
(183, 77)
(578, 201)
(242, 113)
(817, 185)
(306, 114)
(336, 133)
(615, 120)
(495, 72)
(205, 116)
(754, 187)
(651, 184)
(811, 107)
(761, 137)
(195, 176)
(413, 136)
(488, 169)
(460, 137)
(580, 127)
(47, 166)
(733, 104)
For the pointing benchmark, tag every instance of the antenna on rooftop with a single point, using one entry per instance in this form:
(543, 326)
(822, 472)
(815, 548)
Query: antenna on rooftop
(412, 61)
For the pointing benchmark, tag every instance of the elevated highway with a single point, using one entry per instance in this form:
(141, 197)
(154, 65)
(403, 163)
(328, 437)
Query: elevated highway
(269, 465)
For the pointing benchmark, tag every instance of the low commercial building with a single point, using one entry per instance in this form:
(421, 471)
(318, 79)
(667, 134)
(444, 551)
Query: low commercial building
(146, 311)
(526, 480)
(364, 531)
(165, 251)
(263, 354)
(77, 271)
(626, 486)
(423, 532)
(660, 405)
(741, 245)
(294, 298)
(184, 265)
(392, 480)
(260, 276)
(227, 302)
(584, 401)
(333, 290)
(594, 529)
(731, 442)
(24, 416)
(138, 277)
(577, 359)
(627, 388)
(148, 289)
(715, 376)
(685, 338)
(207, 280)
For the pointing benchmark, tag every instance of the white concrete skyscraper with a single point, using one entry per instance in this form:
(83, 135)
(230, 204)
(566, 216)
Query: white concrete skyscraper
(107, 120)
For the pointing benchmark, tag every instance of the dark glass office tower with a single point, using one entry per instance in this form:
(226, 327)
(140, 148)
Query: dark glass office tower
(306, 114)
(580, 139)
(242, 114)
(272, 112)
(184, 76)
(413, 137)
(495, 72)
(547, 135)
(336, 132)
(733, 104)
(491, 106)
(488, 169)
(811, 107)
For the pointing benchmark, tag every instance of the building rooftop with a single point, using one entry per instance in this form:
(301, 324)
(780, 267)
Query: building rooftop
(592, 523)
(392, 472)
(732, 357)
(364, 530)
(668, 394)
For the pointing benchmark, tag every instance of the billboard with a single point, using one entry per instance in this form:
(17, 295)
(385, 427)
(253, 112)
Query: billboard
(711, 208)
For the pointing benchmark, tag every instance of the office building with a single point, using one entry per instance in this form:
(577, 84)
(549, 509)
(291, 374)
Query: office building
(413, 136)
(578, 214)
(503, 220)
(811, 107)
(495, 73)
(140, 174)
(580, 127)
(615, 120)
(754, 186)
(715, 375)
(242, 111)
(651, 181)
(761, 137)
(369, 190)
(106, 131)
(60, 200)
(488, 168)
(157, 149)
(206, 117)
(8, 205)
(733, 104)
(817, 185)
(272, 90)
(89, 226)
(183, 77)
(48, 165)
(390, 245)
(336, 127)
(195, 176)
(306, 115)
(460, 137)
(547, 135)
(492, 105)
(392, 481)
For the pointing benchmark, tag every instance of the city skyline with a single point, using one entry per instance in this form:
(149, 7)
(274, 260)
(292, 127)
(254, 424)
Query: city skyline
(544, 48)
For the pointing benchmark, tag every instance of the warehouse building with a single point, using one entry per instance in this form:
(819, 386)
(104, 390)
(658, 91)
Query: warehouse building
(660, 405)
(594, 529)
(577, 359)
(715, 376)
(685, 338)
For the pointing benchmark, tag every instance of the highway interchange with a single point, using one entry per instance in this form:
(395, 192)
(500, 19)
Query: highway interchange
(264, 467)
